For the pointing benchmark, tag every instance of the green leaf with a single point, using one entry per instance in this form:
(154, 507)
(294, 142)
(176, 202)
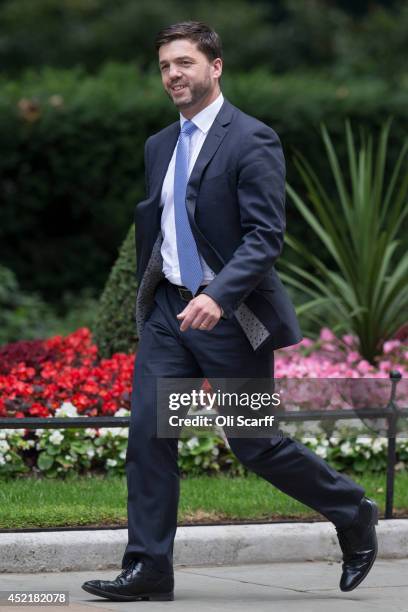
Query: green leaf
(364, 291)
(44, 461)
(79, 447)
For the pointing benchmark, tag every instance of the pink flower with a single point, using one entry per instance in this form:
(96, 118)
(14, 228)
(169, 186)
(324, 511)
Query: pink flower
(349, 339)
(306, 342)
(326, 346)
(364, 367)
(390, 345)
(327, 335)
(385, 366)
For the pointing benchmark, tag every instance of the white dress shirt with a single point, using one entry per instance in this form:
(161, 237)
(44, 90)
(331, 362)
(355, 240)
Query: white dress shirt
(171, 268)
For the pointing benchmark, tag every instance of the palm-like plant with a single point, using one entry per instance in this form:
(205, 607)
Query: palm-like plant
(365, 290)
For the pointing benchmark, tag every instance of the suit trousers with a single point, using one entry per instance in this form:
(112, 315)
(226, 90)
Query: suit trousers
(151, 462)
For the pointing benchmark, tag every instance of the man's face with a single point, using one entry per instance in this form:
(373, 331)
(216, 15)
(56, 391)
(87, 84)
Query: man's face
(188, 77)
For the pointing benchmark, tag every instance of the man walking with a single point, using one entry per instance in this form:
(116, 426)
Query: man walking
(210, 304)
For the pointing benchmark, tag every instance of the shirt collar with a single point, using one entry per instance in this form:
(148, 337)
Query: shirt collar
(205, 118)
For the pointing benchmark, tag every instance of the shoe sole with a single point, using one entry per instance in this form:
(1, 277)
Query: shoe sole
(374, 521)
(139, 597)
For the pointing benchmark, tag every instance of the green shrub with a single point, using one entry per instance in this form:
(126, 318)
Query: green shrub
(66, 452)
(72, 156)
(114, 330)
(338, 36)
(26, 316)
(22, 315)
(364, 289)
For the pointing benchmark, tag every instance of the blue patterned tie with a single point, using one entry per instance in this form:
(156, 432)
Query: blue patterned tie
(190, 266)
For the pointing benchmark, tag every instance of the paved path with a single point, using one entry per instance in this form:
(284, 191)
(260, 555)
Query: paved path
(277, 587)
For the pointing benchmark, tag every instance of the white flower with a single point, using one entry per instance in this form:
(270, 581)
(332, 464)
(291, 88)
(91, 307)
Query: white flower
(11, 432)
(192, 442)
(346, 448)
(106, 431)
(363, 440)
(111, 462)
(215, 451)
(39, 432)
(377, 446)
(66, 410)
(2, 460)
(56, 438)
(8, 457)
(90, 452)
(114, 432)
(122, 412)
(122, 454)
(311, 440)
(4, 446)
(91, 433)
(321, 451)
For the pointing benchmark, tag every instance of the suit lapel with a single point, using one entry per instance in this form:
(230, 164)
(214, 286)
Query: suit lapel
(214, 138)
(165, 152)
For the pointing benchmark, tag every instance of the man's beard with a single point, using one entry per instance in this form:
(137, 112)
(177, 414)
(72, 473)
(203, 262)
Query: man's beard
(197, 93)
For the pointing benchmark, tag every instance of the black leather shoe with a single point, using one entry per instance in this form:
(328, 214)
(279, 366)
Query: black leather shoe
(136, 582)
(359, 545)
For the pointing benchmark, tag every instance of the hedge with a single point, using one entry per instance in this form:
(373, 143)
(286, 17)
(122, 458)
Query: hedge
(72, 156)
(114, 329)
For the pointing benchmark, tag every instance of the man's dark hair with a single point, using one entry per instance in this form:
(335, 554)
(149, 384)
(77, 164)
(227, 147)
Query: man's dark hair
(207, 40)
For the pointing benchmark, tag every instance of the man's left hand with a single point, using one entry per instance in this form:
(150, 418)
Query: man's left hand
(202, 312)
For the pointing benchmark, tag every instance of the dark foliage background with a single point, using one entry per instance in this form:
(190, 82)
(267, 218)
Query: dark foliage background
(80, 92)
(72, 156)
(343, 37)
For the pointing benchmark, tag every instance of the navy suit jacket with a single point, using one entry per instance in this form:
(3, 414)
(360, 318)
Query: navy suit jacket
(236, 206)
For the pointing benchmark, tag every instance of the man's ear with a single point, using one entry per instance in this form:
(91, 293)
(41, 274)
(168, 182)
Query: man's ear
(217, 67)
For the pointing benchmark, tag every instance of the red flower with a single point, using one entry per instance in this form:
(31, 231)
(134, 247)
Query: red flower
(38, 410)
(67, 369)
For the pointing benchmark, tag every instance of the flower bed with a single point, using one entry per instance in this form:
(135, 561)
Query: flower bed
(64, 376)
(71, 451)
(74, 451)
(332, 357)
(37, 377)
